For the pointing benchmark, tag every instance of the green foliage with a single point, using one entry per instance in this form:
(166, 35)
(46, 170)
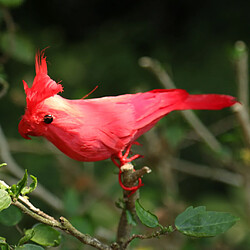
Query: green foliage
(3, 244)
(146, 217)
(105, 51)
(3, 164)
(45, 235)
(5, 200)
(29, 247)
(130, 218)
(16, 189)
(21, 187)
(31, 188)
(198, 222)
(11, 3)
(10, 216)
(27, 237)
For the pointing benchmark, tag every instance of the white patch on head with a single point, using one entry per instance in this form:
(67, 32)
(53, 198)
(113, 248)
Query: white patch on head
(58, 103)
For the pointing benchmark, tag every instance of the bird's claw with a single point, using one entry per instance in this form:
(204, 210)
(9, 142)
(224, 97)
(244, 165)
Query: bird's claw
(123, 159)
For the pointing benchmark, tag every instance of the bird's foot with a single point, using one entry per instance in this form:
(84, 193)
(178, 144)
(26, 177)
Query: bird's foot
(123, 159)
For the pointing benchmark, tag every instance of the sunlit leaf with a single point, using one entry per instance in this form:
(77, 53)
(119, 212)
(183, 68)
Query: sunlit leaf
(10, 216)
(198, 222)
(29, 247)
(130, 218)
(17, 188)
(146, 217)
(31, 188)
(5, 199)
(3, 244)
(3, 164)
(45, 235)
(28, 235)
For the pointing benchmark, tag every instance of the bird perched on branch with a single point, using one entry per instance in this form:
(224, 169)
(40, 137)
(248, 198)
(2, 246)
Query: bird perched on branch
(101, 128)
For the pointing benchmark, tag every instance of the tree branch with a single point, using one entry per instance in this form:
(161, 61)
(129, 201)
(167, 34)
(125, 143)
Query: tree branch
(241, 64)
(27, 207)
(155, 234)
(130, 178)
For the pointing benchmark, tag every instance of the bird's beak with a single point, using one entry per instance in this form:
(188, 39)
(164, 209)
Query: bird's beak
(24, 129)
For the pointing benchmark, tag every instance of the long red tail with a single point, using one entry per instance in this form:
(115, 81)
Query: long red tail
(209, 101)
(151, 106)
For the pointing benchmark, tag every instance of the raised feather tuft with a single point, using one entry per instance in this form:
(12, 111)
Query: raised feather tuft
(43, 86)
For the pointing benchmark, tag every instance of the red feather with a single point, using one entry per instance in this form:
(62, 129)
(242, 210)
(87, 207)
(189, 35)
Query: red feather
(97, 129)
(43, 86)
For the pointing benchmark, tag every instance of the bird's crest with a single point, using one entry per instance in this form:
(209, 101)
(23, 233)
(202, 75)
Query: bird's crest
(43, 86)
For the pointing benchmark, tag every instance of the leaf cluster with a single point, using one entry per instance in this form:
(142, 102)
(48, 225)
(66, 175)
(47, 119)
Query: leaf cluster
(41, 234)
(195, 222)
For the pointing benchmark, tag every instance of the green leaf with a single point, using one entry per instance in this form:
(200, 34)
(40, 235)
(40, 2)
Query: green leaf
(3, 164)
(5, 200)
(130, 218)
(31, 188)
(198, 222)
(17, 188)
(11, 3)
(29, 247)
(10, 216)
(28, 235)
(146, 217)
(45, 235)
(3, 244)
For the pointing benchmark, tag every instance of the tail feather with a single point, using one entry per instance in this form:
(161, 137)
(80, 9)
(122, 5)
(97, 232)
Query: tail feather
(209, 102)
(151, 106)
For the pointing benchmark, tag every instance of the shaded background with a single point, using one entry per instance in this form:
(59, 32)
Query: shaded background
(99, 43)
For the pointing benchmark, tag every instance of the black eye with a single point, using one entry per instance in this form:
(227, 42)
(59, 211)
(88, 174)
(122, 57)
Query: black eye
(48, 119)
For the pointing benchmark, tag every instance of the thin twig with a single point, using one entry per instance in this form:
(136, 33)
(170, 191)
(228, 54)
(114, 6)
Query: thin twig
(243, 118)
(187, 167)
(241, 64)
(27, 207)
(193, 120)
(217, 128)
(64, 225)
(203, 171)
(155, 234)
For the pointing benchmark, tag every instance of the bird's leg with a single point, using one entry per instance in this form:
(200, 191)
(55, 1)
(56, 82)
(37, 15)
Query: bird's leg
(123, 159)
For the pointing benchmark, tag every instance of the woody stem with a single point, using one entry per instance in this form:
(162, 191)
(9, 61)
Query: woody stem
(130, 178)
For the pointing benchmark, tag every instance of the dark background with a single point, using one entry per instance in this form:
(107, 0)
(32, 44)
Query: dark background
(97, 42)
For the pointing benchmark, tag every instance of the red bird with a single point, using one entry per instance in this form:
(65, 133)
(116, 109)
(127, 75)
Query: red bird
(101, 128)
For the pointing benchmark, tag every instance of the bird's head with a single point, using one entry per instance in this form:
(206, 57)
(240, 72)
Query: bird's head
(38, 114)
